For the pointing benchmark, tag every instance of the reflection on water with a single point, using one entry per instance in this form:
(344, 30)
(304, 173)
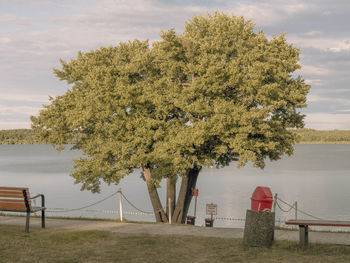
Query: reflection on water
(317, 176)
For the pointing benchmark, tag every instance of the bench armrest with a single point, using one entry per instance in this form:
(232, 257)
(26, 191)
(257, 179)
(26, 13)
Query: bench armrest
(42, 199)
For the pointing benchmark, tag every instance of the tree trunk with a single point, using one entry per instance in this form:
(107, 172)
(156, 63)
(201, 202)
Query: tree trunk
(170, 194)
(185, 195)
(153, 194)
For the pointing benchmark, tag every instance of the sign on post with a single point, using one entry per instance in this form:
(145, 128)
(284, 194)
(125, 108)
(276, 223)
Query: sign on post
(212, 209)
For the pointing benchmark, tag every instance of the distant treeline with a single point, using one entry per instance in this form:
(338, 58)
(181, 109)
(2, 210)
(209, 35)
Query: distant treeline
(324, 137)
(18, 136)
(27, 136)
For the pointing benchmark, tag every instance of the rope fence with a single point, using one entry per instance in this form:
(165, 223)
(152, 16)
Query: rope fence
(293, 207)
(63, 210)
(144, 212)
(277, 201)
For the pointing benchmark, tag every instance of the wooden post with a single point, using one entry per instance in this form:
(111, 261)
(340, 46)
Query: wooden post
(296, 210)
(120, 204)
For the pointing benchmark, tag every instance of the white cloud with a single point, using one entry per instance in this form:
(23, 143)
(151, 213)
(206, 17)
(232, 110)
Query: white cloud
(317, 82)
(17, 110)
(313, 33)
(315, 70)
(327, 99)
(5, 40)
(4, 125)
(333, 44)
(325, 121)
(267, 13)
(11, 20)
(23, 97)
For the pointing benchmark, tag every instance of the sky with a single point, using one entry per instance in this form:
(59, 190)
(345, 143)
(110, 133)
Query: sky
(36, 34)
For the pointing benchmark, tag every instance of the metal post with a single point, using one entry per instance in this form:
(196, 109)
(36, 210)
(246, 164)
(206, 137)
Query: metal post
(296, 210)
(26, 201)
(42, 211)
(120, 204)
(34, 202)
(274, 203)
(27, 222)
(169, 203)
(195, 206)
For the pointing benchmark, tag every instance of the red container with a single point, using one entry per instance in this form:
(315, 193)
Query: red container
(262, 199)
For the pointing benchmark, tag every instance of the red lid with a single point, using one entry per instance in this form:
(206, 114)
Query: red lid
(262, 193)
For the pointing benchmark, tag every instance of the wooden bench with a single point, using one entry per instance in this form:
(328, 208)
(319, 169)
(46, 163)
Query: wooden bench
(304, 227)
(17, 199)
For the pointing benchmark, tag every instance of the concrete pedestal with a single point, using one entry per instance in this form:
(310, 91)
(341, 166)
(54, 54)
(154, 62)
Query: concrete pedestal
(259, 229)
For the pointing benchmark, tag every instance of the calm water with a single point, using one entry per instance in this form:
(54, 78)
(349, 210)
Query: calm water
(317, 176)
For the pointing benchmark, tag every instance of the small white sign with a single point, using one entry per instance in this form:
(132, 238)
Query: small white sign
(212, 209)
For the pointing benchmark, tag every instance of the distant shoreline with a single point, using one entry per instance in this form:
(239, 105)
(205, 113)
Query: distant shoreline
(306, 136)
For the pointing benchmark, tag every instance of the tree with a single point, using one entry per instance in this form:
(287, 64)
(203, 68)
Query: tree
(217, 93)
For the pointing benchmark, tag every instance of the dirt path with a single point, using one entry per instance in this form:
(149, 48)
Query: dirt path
(166, 229)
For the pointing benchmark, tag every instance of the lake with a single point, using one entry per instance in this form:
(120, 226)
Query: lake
(316, 176)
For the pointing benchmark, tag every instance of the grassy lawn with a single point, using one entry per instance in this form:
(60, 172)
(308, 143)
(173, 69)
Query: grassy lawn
(57, 245)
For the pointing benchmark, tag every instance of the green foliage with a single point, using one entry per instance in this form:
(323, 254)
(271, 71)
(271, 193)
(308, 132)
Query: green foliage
(331, 136)
(217, 93)
(28, 136)
(18, 136)
(23, 136)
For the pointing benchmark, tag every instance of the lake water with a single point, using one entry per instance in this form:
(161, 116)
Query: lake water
(316, 176)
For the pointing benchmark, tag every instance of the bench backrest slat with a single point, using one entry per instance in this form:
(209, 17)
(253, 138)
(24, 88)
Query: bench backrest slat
(12, 188)
(20, 207)
(12, 199)
(13, 195)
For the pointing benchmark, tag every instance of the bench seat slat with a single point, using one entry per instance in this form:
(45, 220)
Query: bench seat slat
(37, 208)
(318, 223)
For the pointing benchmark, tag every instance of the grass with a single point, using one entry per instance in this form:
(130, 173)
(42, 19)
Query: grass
(58, 245)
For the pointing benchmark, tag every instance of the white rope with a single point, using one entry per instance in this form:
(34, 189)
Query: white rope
(300, 211)
(286, 211)
(63, 210)
(148, 213)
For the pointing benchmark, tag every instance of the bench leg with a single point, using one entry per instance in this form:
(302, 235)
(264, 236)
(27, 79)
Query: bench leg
(43, 218)
(27, 222)
(304, 235)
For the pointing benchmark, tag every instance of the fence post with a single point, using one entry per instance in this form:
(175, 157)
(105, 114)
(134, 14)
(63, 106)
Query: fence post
(170, 212)
(274, 203)
(120, 204)
(296, 210)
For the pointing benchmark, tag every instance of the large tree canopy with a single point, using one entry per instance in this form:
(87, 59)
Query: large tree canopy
(217, 93)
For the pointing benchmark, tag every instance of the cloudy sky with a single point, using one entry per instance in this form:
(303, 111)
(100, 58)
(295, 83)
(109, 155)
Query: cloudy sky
(35, 34)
